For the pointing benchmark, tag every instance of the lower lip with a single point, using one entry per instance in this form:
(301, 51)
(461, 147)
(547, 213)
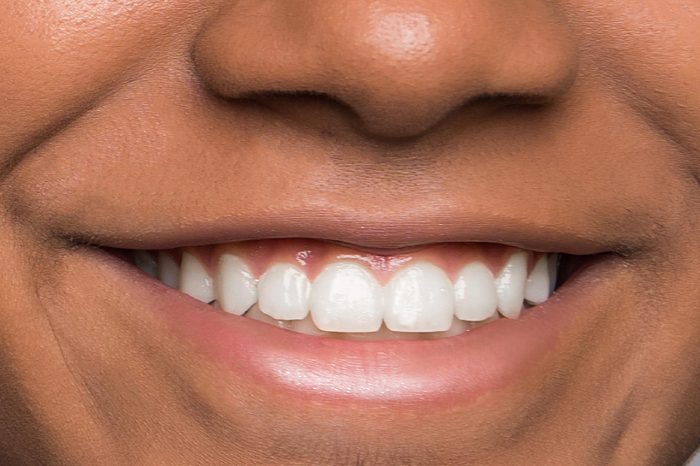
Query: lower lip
(454, 369)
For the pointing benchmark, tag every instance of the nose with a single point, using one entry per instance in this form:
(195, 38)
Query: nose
(401, 67)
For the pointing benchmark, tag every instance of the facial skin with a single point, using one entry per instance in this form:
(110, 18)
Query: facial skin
(157, 124)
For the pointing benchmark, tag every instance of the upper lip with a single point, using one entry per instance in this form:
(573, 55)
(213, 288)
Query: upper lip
(370, 232)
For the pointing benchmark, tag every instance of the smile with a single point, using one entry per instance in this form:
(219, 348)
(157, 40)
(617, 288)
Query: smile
(320, 288)
(443, 322)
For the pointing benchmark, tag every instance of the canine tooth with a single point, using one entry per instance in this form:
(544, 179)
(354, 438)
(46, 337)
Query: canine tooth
(236, 288)
(475, 293)
(168, 270)
(146, 261)
(510, 285)
(283, 292)
(195, 280)
(419, 298)
(537, 285)
(346, 298)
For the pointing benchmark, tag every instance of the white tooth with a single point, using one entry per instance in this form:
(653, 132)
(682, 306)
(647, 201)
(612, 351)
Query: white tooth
(553, 265)
(146, 261)
(283, 292)
(236, 288)
(195, 280)
(475, 293)
(537, 286)
(419, 298)
(168, 270)
(510, 285)
(346, 298)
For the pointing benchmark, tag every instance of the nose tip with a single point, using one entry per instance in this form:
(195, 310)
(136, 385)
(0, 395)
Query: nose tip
(400, 66)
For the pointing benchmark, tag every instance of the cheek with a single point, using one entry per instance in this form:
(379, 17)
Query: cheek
(60, 58)
(649, 53)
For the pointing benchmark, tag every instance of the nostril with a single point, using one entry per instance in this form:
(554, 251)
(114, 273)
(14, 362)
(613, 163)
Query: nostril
(301, 94)
(510, 99)
(318, 111)
(293, 101)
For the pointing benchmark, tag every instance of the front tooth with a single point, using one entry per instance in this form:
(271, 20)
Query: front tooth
(475, 293)
(195, 280)
(168, 270)
(346, 298)
(419, 299)
(235, 285)
(510, 285)
(283, 293)
(147, 262)
(537, 285)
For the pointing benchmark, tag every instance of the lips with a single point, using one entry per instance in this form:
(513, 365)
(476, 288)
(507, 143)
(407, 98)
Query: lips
(442, 367)
(439, 370)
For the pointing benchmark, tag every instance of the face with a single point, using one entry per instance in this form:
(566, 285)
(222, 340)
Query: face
(324, 232)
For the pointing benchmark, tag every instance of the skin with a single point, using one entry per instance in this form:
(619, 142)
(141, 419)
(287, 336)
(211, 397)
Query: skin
(154, 124)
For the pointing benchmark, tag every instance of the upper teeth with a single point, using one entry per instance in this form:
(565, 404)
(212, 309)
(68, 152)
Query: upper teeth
(346, 297)
(236, 287)
(419, 298)
(510, 285)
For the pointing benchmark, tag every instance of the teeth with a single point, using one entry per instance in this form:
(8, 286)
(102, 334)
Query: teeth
(510, 285)
(236, 286)
(195, 280)
(419, 299)
(346, 298)
(538, 283)
(147, 262)
(168, 270)
(284, 293)
(475, 293)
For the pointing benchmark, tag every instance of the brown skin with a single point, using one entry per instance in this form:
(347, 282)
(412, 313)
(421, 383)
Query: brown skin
(138, 123)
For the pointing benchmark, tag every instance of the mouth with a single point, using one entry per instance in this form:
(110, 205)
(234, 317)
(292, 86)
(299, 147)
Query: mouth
(311, 319)
(336, 291)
